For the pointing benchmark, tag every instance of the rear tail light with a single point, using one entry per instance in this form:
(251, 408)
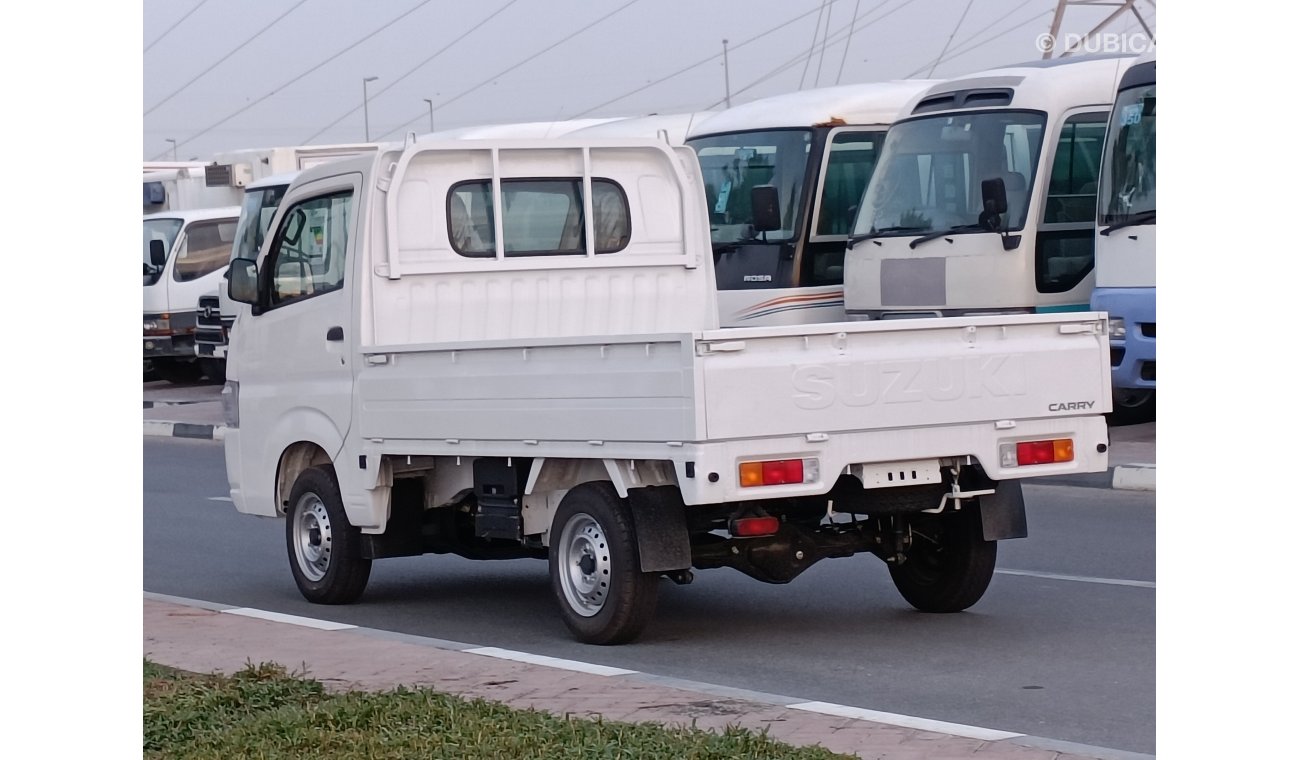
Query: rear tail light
(1027, 453)
(778, 472)
(755, 526)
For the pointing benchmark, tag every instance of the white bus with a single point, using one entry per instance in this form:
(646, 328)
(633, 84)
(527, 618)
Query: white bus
(783, 176)
(1126, 242)
(986, 195)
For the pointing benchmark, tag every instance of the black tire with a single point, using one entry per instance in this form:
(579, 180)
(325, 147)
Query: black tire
(950, 565)
(178, 371)
(619, 599)
(213, 369)
(324, 548)
(1132, 406)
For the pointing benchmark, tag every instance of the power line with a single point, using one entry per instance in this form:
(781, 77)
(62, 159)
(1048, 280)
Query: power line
(954, 34)
(817, 27)
(822, 55)
(411, 71)
(795, 60)
(964, 50)
(168, 30)
(695, 65)
(512, 68)
(849, 42)
(328, 59)
(225, 57)
(936, 61)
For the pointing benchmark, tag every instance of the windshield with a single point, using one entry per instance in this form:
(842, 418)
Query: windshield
(734, 164)
(930, 171)
(254, 219)
(1128, 175)
(165, 230)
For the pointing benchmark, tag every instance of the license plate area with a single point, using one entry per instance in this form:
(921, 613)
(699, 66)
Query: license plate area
(904, 473)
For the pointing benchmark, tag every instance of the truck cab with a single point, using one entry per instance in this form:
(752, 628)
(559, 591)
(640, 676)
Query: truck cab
(185, 255)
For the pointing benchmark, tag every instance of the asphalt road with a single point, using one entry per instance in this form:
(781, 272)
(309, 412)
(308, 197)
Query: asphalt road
(1062, 646)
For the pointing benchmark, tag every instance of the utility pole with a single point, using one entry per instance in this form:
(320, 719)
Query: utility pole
(430, 102)
(1048, 45)
(172, 140)
(726, 73)
(365, 102)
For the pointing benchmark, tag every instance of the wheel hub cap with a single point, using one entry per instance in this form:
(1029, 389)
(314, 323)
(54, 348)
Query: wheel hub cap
(313, 537)
(584, 565)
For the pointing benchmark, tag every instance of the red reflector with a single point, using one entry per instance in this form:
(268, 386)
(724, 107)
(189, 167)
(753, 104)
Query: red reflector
(755, 526)
(782, 471)
(1034, 452)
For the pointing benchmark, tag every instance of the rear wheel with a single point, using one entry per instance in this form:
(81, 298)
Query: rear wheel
(950, 565)
(1132, 406)
(178, 371)
(324, 548)
(596, 570)
(213, 369)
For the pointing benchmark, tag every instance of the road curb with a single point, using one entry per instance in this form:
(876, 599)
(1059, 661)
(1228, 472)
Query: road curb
(160, 428)
(1135, 477)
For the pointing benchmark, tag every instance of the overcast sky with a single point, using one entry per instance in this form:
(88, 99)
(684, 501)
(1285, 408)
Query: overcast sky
(229, 74)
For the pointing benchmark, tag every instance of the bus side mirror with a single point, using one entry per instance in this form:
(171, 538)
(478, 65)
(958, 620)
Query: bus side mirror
(243, 281)
(994, 193)
(157, 254)
(766, 205)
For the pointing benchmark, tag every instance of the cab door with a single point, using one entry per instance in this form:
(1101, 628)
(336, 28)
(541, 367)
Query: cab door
(295, 357)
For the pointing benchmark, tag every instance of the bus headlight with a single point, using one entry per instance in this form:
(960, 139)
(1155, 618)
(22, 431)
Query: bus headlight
(1117, 328)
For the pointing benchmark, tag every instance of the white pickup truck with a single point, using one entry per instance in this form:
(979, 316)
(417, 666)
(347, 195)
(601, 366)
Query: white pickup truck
(421, 374)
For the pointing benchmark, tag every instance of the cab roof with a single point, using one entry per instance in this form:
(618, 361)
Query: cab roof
(196, 214)
(866, 104)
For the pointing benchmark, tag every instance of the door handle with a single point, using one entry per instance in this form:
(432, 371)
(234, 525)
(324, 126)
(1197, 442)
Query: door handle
(334, 333)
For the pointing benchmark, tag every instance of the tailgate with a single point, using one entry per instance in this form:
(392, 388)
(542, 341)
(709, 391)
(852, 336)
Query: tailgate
(903, 373)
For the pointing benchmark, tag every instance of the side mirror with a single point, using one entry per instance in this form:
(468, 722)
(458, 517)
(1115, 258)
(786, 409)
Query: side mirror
(243, 281)
(157, 253)
(994, 195)
(766, 203)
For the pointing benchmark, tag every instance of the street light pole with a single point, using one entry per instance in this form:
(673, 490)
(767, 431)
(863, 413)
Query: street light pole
(365, 102)
(430, 102)
(172, 140)
(726, 73)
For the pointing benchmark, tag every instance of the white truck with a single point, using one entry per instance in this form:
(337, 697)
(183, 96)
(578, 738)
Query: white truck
(418, 373)
(186, 252)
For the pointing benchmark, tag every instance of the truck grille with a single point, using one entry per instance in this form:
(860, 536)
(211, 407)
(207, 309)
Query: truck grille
(209, 327)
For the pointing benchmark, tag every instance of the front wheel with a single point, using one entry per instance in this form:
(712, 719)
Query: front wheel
(596, 570)
(950, 565)
(324, 548)
(1132, 406)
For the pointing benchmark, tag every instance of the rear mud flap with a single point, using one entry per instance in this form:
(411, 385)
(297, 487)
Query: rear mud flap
(659, 517)
(1002, 513)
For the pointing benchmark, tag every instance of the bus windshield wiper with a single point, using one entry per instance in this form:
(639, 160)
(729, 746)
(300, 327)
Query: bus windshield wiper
(855, 239)
(949, 231)
(1146, 217)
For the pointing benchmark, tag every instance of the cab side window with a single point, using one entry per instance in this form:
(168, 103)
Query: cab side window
(309, 255)
(1064, 251)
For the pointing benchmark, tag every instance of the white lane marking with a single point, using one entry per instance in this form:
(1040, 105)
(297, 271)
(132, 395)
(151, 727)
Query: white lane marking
(550, 662)
(220, 498)
(905, 721)
(280, 617)
(1079, 578)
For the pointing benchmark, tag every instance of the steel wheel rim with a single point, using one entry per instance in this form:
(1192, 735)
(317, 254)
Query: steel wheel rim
(313, 537)
(584, 565)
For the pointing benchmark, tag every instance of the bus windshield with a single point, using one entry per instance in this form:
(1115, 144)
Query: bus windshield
(254, 219)
(734, 164)
(931, 169)
(1128, 175)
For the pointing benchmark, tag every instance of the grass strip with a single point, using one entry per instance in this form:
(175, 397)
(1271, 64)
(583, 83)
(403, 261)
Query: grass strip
(263, 711)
